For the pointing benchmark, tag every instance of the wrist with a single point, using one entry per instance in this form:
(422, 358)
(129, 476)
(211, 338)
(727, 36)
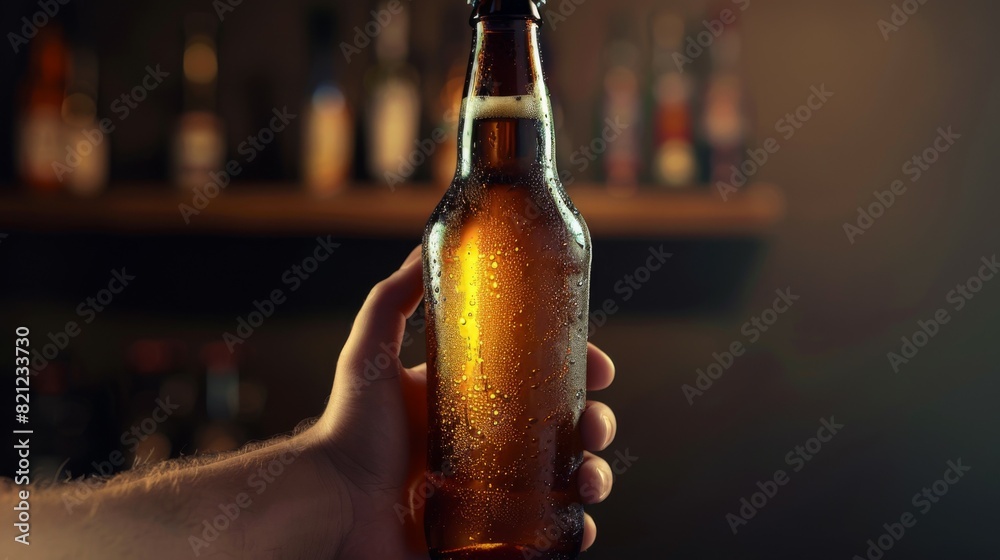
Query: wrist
(302, 499)
(284, 498)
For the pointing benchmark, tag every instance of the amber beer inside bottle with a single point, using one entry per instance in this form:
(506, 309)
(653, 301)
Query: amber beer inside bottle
(507, 280)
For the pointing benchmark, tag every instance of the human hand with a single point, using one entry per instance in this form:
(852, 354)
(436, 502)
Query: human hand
(350, 475)
(373, 434)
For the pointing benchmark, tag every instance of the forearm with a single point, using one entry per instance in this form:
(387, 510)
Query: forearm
(276, 501)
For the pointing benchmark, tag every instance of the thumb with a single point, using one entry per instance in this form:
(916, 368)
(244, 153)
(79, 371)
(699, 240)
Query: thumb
(371, 354)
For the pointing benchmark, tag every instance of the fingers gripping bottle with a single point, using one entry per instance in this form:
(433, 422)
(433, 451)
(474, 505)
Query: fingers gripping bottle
(507, 281)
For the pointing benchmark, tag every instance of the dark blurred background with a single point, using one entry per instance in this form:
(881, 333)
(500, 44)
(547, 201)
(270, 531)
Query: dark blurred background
(899, 75)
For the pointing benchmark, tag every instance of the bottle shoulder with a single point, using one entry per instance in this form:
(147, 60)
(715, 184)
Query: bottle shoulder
(542, 207)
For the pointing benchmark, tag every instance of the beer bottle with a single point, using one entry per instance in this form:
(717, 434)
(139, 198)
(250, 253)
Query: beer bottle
(507, 280)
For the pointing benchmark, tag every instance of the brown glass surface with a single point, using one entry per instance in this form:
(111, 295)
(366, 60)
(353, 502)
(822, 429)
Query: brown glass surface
(507, 266)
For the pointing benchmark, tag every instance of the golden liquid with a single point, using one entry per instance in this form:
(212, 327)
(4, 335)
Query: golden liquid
(507, 282)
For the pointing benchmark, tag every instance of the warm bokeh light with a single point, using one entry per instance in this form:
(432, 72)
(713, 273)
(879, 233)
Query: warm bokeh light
(200, 62)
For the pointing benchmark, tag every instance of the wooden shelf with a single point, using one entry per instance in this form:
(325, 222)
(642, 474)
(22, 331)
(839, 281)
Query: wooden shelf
(284, 209)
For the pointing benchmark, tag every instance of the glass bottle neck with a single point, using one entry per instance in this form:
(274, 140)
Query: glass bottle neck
(505, 130)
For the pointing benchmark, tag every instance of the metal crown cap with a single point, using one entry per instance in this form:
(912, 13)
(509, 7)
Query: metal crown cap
(511, 9)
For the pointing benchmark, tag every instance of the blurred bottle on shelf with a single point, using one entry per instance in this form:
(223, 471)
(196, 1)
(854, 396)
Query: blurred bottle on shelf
(160, 400)
(447, 90)
(222, 381)
(449, 107)
(724, 119)
(673, 159)
(328, 138)
(199, 146)
(563, 149)
(231, 396)
(88, 174)
(40, 142)
(220, 432)
(392, 119)
(617, 136)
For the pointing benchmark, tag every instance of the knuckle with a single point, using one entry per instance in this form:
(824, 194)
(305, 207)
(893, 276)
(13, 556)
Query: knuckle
(378, 290)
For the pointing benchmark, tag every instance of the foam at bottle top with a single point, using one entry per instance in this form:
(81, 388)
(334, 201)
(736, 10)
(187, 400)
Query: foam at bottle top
(499, 107)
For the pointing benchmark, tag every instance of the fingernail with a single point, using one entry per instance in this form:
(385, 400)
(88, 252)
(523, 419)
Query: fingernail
(605, 486)
(609, 431)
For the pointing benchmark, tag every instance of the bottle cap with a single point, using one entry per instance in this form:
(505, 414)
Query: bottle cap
(506, 9)
(540, 3)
